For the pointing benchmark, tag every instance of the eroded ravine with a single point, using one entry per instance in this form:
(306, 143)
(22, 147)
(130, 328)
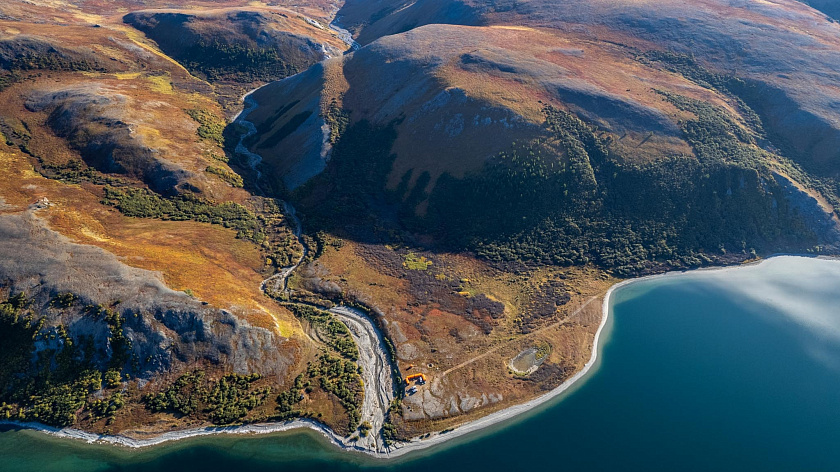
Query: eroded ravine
(373, 355)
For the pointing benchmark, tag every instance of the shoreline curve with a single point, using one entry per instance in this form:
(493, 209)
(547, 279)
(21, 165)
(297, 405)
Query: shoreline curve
(398, 449)
(395, 451)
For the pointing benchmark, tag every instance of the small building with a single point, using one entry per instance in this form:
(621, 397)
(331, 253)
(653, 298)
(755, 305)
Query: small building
(418, 378)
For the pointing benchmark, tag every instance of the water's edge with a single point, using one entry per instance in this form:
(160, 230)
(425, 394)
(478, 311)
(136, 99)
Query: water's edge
(399, 449)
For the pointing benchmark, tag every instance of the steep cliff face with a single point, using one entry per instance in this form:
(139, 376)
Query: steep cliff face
(298, 126)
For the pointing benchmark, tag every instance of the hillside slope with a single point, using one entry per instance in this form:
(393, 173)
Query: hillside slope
(474, 179)
(237, 48)
(134, 253)
(795, 94)
(634, 164)
(478, 171)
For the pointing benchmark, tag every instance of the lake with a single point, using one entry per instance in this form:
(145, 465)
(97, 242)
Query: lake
(735, 369)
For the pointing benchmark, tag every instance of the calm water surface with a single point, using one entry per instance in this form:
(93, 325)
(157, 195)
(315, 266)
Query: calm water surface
(725, 370)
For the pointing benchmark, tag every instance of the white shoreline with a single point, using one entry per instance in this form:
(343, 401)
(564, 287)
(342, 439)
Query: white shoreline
(118, 440)
(399, 449)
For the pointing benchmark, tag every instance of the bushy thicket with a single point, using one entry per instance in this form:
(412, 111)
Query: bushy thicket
(590, 205)
(749, 97)
(570, 199)
(287, 401)
(389, 432)
(210, 125)
(265, 226)
(337, 375)
(29, 60)
(232, 178)
(224, 401)
(333, 331)
(142, 203)
(220, 60)
(54, 384)
(341, 378)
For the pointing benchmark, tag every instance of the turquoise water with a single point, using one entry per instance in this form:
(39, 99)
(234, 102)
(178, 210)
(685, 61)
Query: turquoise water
(725, 370)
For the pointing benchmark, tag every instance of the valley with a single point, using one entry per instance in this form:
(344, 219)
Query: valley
(241, 216)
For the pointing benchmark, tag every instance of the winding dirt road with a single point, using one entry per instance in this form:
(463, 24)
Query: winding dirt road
(532, 333)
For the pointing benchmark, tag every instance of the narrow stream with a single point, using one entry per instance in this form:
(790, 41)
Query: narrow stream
(345, 36)
(373, 355)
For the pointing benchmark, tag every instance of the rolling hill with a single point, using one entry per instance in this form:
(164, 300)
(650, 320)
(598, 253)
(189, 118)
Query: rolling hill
(473, 178)
(578, 144)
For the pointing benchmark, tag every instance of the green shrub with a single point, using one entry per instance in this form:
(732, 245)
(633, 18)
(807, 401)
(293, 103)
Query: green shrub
(183, 397)
(232, 178)
(226, 401)
(210, 125)
(389, 432)
(341, 378)
(63, 300)
(112, 378)
(334, 332)
(142, 203)
(414, 262)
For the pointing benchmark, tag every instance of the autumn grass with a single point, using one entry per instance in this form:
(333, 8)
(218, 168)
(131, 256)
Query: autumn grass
(207, 259)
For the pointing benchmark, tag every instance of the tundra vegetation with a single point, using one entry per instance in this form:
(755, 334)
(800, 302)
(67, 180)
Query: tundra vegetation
(264, 228)
(224, 401)
(90, 377)
(333, 331)
(474, 253)
(337, 375)
(210, 126)
(577, 201)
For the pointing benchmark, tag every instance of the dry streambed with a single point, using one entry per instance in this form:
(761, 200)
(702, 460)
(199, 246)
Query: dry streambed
(373, 356)
(376, 373)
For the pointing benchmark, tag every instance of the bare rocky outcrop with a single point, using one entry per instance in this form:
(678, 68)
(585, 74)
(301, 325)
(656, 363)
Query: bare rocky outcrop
(167, 329)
